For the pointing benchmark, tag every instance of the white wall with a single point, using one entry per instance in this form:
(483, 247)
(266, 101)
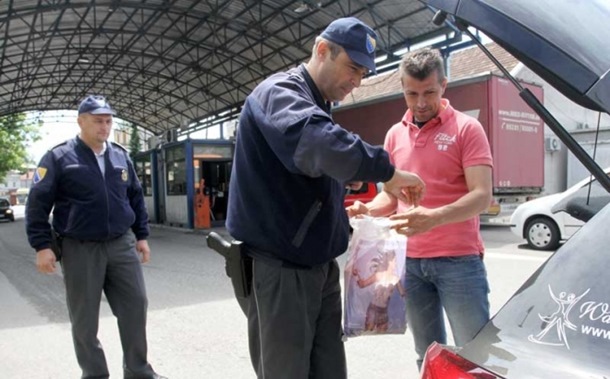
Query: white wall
(176, 211)
(149, 201)
(11, 181)
(576, 171)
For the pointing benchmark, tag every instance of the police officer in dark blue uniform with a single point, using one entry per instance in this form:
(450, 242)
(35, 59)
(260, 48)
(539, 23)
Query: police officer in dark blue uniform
(101, 222)
(291, 166)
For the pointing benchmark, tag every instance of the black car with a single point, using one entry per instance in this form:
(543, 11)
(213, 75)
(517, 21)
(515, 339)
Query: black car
(6, 212)
(557, 325)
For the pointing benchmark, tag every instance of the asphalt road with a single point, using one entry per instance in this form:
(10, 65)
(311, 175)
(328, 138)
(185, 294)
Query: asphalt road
(195, 328)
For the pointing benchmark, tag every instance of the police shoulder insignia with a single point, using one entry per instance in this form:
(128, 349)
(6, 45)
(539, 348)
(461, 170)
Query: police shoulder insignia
(39, 174)
(58, 145)
(124, 175)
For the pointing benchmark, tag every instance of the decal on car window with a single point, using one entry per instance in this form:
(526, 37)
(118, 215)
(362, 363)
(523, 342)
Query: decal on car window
(557, 322)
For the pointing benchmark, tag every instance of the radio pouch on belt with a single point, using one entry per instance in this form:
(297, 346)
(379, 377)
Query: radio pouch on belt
(238, 265)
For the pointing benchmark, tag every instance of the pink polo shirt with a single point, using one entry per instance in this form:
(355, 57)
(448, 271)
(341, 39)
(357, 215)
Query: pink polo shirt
(438, 153)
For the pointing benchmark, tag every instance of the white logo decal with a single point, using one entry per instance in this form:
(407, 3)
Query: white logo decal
(558, 320)
(443, 141)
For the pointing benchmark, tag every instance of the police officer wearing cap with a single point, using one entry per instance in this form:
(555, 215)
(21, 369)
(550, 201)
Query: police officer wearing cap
(291, 166)
(100, 219)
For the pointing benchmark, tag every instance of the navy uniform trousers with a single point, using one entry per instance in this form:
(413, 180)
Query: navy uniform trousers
(114, 267)
(294, 321)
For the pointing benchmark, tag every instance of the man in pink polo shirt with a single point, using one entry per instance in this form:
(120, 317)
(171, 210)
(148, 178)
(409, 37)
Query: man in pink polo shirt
(450, 152)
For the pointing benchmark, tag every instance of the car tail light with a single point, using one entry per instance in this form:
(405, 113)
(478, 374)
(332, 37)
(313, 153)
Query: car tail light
(442, 363)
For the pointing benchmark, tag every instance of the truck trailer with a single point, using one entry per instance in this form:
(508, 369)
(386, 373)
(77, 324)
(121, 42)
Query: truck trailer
(515, 133)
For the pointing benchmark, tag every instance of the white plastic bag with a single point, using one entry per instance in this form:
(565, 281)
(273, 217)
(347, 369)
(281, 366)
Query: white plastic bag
(374, 279)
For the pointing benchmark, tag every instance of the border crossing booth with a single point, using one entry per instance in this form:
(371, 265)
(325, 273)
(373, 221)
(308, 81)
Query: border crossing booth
(188, 184)
(212, 162)
(146, 168)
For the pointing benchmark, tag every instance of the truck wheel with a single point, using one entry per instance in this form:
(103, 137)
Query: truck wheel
(542, 234)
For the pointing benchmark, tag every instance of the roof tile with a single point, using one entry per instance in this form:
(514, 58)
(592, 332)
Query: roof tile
(463, 64)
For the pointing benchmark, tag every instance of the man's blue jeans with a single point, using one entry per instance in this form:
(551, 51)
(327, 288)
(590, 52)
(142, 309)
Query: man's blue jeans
(457, 284)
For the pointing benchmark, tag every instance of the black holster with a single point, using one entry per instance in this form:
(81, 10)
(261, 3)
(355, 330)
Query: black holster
(238, 265)
(56, 244)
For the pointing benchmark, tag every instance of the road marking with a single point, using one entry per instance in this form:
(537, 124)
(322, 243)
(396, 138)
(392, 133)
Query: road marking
(490, 255)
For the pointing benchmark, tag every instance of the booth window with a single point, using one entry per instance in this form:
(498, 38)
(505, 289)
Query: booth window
(175, 167)
(143, 170)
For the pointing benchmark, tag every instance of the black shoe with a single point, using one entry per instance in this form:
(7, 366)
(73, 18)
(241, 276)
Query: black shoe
(144, 375)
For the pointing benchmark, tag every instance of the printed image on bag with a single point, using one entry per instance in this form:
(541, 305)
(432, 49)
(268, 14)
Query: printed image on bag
(374, 279)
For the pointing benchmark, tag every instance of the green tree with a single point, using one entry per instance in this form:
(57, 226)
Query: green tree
(134, 141)
(17, 133)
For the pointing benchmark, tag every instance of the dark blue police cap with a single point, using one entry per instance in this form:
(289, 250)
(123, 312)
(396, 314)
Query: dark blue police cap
(95, 105)
(357, 38)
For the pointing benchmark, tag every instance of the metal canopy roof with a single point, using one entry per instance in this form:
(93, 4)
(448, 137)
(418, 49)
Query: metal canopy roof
(168, 64)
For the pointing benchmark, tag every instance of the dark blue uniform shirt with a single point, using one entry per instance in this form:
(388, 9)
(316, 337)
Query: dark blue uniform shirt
(291, 165)
(87, 205)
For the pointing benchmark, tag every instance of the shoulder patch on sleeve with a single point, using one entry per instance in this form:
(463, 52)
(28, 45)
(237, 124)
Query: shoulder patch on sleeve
(39, 174)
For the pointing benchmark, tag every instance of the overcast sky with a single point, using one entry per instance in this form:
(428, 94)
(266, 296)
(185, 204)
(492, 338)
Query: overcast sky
(57, 127)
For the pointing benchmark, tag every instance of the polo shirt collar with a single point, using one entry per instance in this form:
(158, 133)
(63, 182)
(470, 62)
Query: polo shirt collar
(440, 119)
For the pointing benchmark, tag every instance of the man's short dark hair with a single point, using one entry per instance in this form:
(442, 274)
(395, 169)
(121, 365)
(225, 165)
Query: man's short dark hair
(333, 47)
(420, 64)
